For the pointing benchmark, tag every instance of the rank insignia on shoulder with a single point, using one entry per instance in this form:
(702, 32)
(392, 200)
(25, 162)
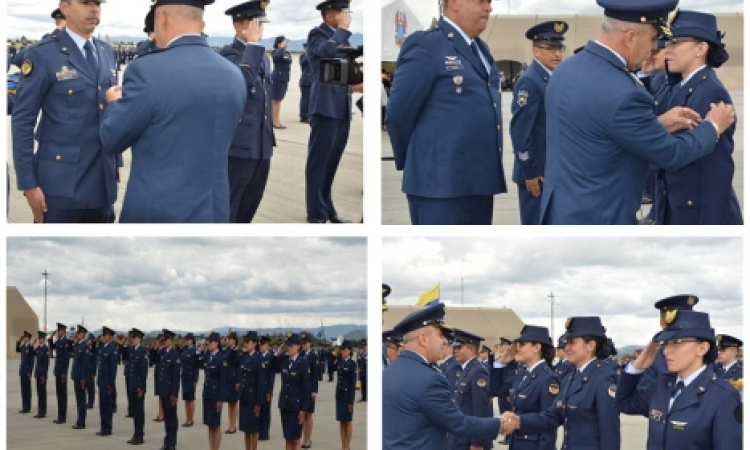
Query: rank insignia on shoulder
(26, 68)
(612, 390)
(522, 97)
(481, 382)
(554, 389)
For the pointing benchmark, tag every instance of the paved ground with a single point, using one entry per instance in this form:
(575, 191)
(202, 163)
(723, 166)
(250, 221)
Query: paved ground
(396, 211)
(25, 432)
(284, 199)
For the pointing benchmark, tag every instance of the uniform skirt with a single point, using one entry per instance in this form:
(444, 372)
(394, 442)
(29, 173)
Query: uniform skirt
(188, 391)
(310, 409)
(342, 412)
(290, 425)
(211, 417)
(234, 395)
(279, 90)
(248, 419)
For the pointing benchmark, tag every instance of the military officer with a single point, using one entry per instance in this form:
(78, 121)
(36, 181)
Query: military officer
(190, 373)
(232, 360)
(93, 358)
(154, 358)
(417, 406)
(252, 147)
(180, 143)
(252, 384)
(62, 363)
(471, 389)
(528, 129)
(147, 45)
(169, 389)
(215, 391)
(585, 406)
(330, 113)
(305, 81)
(59, 19)
(106, 380)
(126, 353)
(729, 367)
(282, 66)
(81, 375)
(138, 369)
(362, 369)
(699, 193)
(309, 354)
(264, 420)
(294, 397)
(616, 127)
(688, 408)
(563, 366)
(69, 178)
(40, 373)
(392, 342)
(25, 370)
(665, 306)
(448, 365)
(346, 385)
(452, 163)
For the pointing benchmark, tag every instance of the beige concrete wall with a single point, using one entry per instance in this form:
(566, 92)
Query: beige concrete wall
(490, 323)
(506, 38)
(20, 318)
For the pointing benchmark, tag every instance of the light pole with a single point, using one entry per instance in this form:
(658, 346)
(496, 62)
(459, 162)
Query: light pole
(46, 274)
(552, 314)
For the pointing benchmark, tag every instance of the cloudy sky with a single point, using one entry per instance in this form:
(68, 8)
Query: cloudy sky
(617, 279)
(292, 18)
(192, 283)
(425, 10)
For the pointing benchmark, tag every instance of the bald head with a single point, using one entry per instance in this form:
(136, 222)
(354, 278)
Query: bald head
(634, 42)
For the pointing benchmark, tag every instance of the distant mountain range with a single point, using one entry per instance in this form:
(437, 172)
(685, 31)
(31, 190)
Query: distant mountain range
(353, 332)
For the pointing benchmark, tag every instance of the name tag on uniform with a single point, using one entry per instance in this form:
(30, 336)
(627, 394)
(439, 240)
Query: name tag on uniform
(521, 396)
(453, 63)
(66, 74)
(679, 426)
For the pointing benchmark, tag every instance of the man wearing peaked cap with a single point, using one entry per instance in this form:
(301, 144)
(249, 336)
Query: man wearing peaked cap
(699, 409)
(106, 380)
(728, 366)
(528, 129)
(136, 390)
(417, 406)
(169, 389)
(616, 122)
(391, 347)
(40, 374)
(190, 374)
(252, 147)
(62, 362)
(177, 112)
(81, 375)
(25, 370)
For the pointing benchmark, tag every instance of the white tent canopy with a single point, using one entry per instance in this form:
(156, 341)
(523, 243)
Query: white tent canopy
(398, 22)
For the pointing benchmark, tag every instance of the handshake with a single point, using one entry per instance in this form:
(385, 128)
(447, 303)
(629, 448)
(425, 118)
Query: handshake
(509, 423)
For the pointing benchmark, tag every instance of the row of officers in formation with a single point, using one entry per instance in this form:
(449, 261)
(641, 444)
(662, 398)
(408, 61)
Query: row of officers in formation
(199, 125)
(242, 375)
(687, 382)
(641, 105)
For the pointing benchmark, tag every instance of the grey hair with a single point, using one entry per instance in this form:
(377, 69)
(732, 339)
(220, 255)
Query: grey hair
(410, 337)
(183, 12)
(610, 25)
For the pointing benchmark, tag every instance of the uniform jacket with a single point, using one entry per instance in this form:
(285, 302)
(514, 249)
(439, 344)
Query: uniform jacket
(179, 111)
(252, 379)
(81, 361)
(296, 383)
(362, 364)
(169, 373)
(444, 117)
(145, 46)
(334, 102)
(62, 356)
(215, 383)
(107, 366)
(528, 127)
(42, 361)
(471, 393)
(563, 368)
(232, 359)
(734, 373)
(138, 369)
(190, 369)
(26, 367)
(305, 78)
(313, 361)
(269, 364)
(282, 65)
(346, 381)
(533, 392)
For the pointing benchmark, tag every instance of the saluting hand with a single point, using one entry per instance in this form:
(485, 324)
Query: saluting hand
(37, 202)
(113, 94)
(647, 356)
(252, 32)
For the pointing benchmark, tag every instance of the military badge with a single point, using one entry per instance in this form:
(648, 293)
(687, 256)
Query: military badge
(670, 315)
(679, 426)
(568, 322)
(522, 97)
(554, 389)
(559, 27)
(612, 390)
(458, 80)
(263, 5)
(719, 337)
(453, 63)
(655, 414)
(26, 68)
(66, 74)
(481, 382)
(459, 90)
(672, 16)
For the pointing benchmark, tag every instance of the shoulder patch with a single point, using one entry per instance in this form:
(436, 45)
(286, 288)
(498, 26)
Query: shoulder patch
(481, 382)
(554, 389)
(26, 68)
(612, 390)
(522, 97)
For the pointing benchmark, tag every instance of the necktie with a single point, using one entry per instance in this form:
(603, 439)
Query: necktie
(91, 58)
(475, 49)
(676, 393)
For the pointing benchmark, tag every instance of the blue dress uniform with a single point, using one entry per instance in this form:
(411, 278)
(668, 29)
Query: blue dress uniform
(138, 370)
(40, 373)
(471, 394)
(145, 46)
(585, 406)
(126, 353)
(62, 363)
(180, 143)
(450, 368)
(534, 391)
(252, 147)
(190, 370)
(701, 193)
(734, 372)
(295, 392)
(665, 305)
(264, 421)
(78, 179)
(330, 119)
(25, 371)
(312, 363)
(418, 409)
(106, 382)
(81, 372)
(346, 386)
(331, 361)
(252, 387)
(91, 383)
(154, 357)
(232, 360)
(169, 386)
(445, 124)
(509, 376)
(698, 414)
(602, 132)
(214, 385)
(528, 127)
(362, 370)
(282, 66)
(305, 81)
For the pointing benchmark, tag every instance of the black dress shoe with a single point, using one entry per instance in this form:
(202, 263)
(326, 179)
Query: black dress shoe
(90, 407)
(187, 425)
(40, 416)
(24, 411)
(136, 441)
(230, 432)
(314, 220)
(58, 421)
(264, 438)
(78, 427)
(337, 219)
(129, 416)
(103, 433)
(169, 448)
(308, 445)
(158, 420)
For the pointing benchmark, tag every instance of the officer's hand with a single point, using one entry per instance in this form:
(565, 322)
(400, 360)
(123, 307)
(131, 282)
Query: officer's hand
(113, 94)
(140, 392)
(268, 397)
(647, 356)
(173, 399)
(43, 380)
(63, 378)
(195, 383)
(313, 397)
(253, 32)
(257, 410)
(301, 417)
(679, 118)
(649, 65)
(110, 389)
(534, 186)
(83, 384)
(218, 407)
(237, 387)
(358, 88)
(344, 19)
(350, 407)
(38, 204)
(722, 114)
(476, 447)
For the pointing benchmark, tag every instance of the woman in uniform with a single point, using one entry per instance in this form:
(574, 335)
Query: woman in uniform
(252, 386)
(232, 358)
(585, 406)
(689, 407)
(282, 65)
(214, 390)
(345, 391)
(535, 387)
(701, 192)
(295, 393)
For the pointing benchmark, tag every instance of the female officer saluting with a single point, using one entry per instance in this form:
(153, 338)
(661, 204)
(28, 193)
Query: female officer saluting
(688, 408)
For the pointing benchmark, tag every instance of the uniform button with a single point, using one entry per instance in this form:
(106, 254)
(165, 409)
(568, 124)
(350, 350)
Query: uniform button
(99, 87)
(690, 203)
(101, 107)
(58, 158)
(498, 127)
(265, 117)
(70, 91)
(240, 121)
(494, 105)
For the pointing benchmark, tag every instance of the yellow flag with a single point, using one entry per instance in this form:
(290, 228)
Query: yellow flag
(431, 296)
